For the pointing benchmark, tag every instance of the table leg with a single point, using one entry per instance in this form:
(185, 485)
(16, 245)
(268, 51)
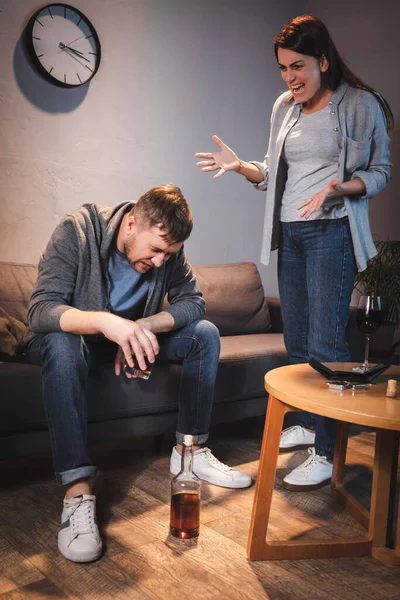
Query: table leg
(258, 548)
(394, 483)
(393, 537)
(265, 479)
(339, 459)
(385, 467)
(341, 495)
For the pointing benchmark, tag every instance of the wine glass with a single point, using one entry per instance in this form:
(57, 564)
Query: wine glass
(370, 316)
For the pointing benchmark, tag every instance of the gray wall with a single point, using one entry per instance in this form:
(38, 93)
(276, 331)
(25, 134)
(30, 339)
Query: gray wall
(173, 73)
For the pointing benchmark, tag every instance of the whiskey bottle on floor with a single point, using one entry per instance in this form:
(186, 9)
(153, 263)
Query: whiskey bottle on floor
(185, 496)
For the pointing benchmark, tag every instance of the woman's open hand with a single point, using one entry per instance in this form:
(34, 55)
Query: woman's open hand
(316, 201)
(223, 160)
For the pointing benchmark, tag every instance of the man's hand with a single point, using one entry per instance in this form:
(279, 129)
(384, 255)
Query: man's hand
(315, 203)
(120, 360)
(119, 365)
(134, 340)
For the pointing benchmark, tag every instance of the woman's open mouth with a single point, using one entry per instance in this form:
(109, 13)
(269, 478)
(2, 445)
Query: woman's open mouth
(298, 89)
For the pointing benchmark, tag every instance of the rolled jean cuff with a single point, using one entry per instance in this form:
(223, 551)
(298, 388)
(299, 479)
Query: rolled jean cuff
(328, 452)
(68, 477)
(306, 420)
(198, 438)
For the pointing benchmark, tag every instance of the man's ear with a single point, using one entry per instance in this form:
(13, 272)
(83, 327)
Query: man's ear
(323, 64)
(131, 223)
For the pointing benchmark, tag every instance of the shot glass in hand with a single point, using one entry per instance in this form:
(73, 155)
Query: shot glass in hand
(136, 372)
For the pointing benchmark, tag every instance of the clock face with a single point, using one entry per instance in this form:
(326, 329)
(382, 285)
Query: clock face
(64, 45)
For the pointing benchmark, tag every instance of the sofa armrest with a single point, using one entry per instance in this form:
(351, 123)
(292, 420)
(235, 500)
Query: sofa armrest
(274, 306)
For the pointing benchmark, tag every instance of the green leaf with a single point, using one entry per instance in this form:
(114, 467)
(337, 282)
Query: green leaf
(382, 277)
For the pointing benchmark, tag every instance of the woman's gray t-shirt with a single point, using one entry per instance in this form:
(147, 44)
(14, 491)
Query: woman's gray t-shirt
(311, 152)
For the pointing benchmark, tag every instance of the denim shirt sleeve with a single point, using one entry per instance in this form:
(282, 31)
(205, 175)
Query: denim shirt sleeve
(376, 175)
(264, 166)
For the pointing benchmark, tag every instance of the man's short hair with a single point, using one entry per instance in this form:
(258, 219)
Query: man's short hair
(166, 207)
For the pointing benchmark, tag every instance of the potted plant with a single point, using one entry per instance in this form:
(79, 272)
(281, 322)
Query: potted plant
(382, 277)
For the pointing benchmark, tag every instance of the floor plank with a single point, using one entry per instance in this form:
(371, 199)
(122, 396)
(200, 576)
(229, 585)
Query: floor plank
(15, 570)
(35, 591)
(142, 561)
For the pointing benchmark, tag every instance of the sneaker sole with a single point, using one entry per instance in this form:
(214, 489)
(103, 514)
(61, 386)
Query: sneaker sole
(225, 484)
(293, 487)
(83, 559)
(298, 447)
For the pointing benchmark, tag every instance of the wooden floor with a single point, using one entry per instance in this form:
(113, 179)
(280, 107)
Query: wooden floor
(142, 561)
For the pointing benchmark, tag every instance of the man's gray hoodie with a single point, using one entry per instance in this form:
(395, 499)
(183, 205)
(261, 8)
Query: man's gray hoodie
(73, 272)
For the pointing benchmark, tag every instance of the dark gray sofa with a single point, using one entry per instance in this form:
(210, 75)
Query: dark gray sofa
(252, 343)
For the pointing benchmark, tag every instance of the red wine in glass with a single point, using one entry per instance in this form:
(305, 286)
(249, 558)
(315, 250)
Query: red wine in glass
(370, 316)
(369, 321)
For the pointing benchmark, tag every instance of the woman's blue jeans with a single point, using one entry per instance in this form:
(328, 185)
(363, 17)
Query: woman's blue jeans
(316, 273)
(66, 360)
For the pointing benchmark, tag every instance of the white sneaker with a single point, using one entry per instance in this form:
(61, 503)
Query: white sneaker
(79, 538)
(295, 438)
(209, 468)
(313, 473)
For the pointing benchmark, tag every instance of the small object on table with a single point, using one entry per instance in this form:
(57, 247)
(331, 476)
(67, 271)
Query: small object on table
(391, 390)
(345, 385)
(350, 377)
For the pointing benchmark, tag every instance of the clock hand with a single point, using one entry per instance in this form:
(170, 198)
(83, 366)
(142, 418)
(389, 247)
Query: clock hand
(77, 52)
(77, 40)
(77, 57)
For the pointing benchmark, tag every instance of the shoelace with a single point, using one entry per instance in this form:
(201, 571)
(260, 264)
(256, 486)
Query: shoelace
(290, 430)
(82, 518)
(214, 462)
(311, 461)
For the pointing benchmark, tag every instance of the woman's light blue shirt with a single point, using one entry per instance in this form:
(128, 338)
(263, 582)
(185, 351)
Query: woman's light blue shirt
(358, 121)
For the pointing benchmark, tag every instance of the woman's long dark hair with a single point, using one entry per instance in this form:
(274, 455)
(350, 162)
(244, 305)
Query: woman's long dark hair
(308, 35)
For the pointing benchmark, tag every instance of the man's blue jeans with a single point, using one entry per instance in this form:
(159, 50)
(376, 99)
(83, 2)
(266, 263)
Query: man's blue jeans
(66, 360)
(316, 273)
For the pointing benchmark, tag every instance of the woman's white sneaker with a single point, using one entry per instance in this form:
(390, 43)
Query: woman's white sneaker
(312, 474)
(296, 438)
(208, 467)
(79, 538)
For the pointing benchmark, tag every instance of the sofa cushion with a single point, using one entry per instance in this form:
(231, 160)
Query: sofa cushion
(237, 347)
(234, 296)
(16, 285)
(244, 360)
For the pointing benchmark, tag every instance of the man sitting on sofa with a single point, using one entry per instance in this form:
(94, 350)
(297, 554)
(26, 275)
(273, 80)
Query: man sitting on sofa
(99, 298)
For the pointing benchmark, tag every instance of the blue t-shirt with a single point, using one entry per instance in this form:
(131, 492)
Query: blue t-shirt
(128, 292)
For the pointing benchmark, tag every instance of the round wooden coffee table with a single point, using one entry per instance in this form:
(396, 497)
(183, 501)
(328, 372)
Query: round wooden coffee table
(299, 387)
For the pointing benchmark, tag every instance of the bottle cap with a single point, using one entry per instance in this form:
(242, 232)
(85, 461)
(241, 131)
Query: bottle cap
(188, 440)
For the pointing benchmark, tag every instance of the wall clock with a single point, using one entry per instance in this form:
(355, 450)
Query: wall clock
(63, 45)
